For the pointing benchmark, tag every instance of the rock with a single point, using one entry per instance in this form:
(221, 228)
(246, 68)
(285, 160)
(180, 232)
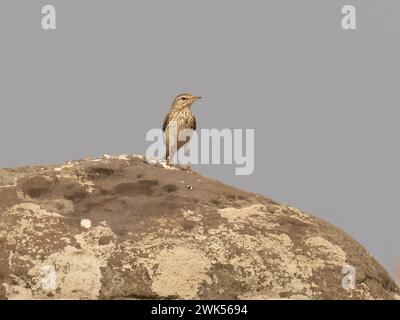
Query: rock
(120, 228)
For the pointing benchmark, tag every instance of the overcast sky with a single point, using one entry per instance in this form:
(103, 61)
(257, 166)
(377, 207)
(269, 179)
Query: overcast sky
(324, 102)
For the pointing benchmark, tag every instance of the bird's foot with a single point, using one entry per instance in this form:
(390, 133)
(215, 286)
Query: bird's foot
(180, 166)
(186, 167)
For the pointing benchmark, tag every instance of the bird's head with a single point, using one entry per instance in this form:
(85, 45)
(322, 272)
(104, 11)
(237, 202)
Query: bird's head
(184, 100)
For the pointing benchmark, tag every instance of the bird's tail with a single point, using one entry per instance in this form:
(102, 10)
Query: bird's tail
(167, 154)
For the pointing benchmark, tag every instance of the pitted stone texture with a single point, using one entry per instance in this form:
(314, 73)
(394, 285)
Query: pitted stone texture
(119, 228)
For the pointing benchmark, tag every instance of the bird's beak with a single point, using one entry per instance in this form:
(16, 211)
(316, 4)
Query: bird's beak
(196, 98)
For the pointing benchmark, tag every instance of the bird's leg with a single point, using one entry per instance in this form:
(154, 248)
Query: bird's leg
(187, 154)
(167, 155)
(186, 149)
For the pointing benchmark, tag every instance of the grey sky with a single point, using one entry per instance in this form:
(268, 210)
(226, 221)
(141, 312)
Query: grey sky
(323, 101)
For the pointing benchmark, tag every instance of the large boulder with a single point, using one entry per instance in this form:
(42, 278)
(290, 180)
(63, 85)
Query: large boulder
(118, 228)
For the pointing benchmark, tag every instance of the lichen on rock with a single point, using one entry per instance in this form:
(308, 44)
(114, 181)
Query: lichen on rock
(118, 227)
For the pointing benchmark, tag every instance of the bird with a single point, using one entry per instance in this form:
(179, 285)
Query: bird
(181, 116)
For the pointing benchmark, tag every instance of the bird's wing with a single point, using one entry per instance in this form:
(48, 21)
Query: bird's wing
(166, 120)
(194, 124)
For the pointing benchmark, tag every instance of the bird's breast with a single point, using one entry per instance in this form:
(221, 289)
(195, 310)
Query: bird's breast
(184, 119)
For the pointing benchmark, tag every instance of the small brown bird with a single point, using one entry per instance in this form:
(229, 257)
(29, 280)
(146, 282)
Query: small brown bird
(181, 116)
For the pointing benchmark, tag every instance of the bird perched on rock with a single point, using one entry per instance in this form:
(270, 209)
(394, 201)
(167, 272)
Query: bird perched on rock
(179, 117)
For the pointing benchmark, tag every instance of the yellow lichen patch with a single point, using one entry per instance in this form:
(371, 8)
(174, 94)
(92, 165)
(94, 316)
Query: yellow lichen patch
(299, 215)
(235, 215)
(360, 291)
(76, 271)
(18, 290)
(81, 179)
(192, 216)
(250, 267)
(285, 271)
(216, 251)
(160, 221)
(254, 215)
(30, 209)
(77, 274)
(25, 228)
(334, 253)
(59, 205)
(179, 271)
(284, 263)
(92, 241)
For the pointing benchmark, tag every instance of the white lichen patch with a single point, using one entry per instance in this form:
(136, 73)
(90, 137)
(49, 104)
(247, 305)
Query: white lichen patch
(118, 157)
(166, 166)
(123, 157)
(67, 165)
(86, 223)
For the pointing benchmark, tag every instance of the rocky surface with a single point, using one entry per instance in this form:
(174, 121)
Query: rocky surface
(120, 228)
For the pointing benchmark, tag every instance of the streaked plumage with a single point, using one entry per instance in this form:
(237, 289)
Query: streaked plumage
(181, 114)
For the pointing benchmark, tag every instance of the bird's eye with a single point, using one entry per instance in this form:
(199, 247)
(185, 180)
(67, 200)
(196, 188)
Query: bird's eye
(183, 98)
